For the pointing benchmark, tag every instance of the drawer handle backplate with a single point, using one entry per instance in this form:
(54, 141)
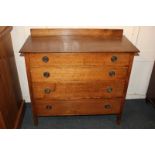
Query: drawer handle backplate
(47, 90)
(46, 74)
(49, 107)
(114, 58)
(45, 59)
(107, 106)
(112, 73)
(109, 89)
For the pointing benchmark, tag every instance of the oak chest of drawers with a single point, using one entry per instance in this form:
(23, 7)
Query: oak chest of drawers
(78, 71)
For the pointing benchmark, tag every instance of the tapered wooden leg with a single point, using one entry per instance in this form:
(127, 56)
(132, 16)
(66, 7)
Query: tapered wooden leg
(118, 119)
(35, 120)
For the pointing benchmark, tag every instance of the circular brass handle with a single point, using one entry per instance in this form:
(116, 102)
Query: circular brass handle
(45, 59)
(114, 58)
(47, 90)
(49, 107)
(112, 73)
(107, 106)
(46, 74)
(109, 89)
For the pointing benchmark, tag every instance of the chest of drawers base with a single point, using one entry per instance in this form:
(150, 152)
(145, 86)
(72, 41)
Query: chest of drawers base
(71, 72)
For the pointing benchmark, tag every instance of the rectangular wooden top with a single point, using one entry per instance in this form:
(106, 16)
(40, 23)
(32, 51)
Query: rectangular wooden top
(77, 40)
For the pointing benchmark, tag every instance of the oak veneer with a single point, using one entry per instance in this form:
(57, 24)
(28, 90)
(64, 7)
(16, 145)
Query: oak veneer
(77, 44)
(102, 33)
(78, 90)
(78, 107)
(78, 71)
(78, 59)
(59, 73)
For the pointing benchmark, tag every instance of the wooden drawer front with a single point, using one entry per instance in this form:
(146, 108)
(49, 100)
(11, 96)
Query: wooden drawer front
(78, 90)
(59, 74)
(78, 107)
(65, 59)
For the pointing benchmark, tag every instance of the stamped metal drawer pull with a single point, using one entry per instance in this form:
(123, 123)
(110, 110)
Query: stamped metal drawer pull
(46, 74)
(114, 58)
(47, 90)
(107, 106)
(49, 107)
(45, 59)
(109, 89)
(112, 73)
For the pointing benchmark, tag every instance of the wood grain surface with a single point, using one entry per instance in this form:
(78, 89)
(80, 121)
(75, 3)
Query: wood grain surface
(78, 59)
(78, 90)
(77, 107)
(102, 33)
(57, 74)
(77, 40)
(10, 92)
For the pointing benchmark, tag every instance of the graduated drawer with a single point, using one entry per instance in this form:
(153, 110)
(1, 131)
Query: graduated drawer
(78, 107)
(72, 59)
(78, 90)
(60, 74)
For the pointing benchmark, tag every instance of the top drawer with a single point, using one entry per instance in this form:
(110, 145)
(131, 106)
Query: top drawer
(79, 59)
